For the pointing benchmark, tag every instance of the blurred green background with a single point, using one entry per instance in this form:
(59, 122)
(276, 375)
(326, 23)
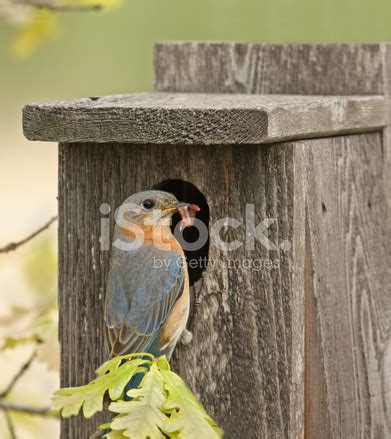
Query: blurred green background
(99, 53)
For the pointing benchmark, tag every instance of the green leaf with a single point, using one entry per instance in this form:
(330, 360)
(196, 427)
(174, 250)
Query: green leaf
(109, 366)
(161, 406)
(188, 419)
(115, 435)
(115, 362)
(105, 426)
(162, 363)
(142, 417)
(90, 397)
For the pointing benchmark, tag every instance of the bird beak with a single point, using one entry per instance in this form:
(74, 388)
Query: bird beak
(175, 207)
(171, 209)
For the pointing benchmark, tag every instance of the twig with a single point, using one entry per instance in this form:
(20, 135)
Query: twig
(16, 378)
(10, 425)
(14, 245)
(7, 406)
(26, 409)
(61, 7)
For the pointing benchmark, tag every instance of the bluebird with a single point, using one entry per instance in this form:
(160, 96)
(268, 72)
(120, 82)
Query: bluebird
(147, 296)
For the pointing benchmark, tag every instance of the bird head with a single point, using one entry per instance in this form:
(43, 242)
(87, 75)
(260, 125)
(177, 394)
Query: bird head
(151, 208)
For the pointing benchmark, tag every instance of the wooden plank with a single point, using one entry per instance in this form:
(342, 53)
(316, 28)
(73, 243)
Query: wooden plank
(82, 270)
(348, 278)
(252, 68)
(387, 130)
(246, 359)
(196, 119)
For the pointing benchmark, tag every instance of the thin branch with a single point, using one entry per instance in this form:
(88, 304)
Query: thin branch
(61, 7)
(14, 245)
(10, 425)
(8, 406)
(28, 410)
(16, 378)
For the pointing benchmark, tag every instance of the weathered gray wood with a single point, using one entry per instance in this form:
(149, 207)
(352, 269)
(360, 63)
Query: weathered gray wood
(252, 68)
(202, 119)
(386, 50)
(246, 359)
(348, 280)
(85, 181)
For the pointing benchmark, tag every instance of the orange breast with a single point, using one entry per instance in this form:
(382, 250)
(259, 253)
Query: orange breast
(155, 236)
(177, 319)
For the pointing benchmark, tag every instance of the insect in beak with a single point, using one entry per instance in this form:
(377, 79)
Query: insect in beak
(187, 213)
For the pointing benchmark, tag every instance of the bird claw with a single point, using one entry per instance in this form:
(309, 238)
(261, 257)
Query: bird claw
(186, 337)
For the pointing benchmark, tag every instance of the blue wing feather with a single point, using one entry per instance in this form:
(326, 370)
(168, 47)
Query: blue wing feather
(142, 287)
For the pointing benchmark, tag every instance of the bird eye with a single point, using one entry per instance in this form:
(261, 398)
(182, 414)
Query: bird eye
(148, 204)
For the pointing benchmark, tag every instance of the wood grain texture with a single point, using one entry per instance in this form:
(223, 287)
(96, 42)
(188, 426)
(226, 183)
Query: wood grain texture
(246, 359)
(348, 278)
(386, 50)
(252, 68)
(195, 119)
(82, 271)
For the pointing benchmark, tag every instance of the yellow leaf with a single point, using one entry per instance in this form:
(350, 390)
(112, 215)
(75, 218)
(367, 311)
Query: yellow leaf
(70, 400)
(162, 363)
(115, 435)
(188, 419)
(41, 26)
(143, 416)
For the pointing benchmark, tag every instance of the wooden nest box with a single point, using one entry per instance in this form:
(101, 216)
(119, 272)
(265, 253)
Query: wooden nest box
(291, 339)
